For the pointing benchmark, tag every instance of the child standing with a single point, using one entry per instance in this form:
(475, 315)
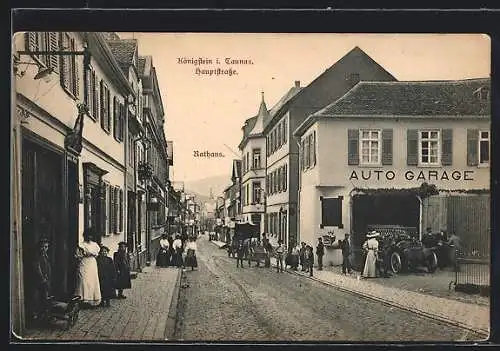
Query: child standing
(122, 266)
(107, 276)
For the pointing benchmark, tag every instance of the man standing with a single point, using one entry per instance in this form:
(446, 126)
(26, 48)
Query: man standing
(302, 256)
(309, 259)
(320, 252)
(280, 252)
(345, 246)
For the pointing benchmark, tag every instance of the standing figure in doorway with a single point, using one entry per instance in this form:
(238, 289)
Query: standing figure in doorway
(42, 278)
(87, 285)
(371, 248)
(122, 265)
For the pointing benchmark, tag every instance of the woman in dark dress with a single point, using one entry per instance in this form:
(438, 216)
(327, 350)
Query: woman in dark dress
(107, 276)
(42, 279)
(163, 257)
(122, 266)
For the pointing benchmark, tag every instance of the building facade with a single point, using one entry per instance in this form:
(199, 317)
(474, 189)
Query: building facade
(253, 168)
(69, 123)
(398, 154)
(88, 114)
(282, 172)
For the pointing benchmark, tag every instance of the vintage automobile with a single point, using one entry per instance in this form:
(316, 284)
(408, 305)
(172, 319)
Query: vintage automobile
(400, 252)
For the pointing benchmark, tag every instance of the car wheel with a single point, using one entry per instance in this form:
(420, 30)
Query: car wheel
(396, 262)
(432, 262)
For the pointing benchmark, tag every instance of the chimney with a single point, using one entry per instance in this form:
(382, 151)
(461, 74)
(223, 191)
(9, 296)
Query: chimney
(297, 83)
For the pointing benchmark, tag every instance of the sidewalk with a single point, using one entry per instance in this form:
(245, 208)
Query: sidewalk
(469, 316)
(148, 312)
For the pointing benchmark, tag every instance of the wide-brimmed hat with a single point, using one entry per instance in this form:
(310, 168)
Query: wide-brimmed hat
(373, 234)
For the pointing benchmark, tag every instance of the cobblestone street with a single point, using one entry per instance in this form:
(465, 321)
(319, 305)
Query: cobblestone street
(221, 302)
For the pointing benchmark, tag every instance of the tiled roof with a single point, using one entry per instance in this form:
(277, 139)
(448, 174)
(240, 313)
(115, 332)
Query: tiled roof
(248, 126)
(123, 50)
(415, 98)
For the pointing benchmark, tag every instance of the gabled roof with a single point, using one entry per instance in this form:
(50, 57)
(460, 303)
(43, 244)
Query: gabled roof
(355, 55)
(124, 51)
(284, 99)
(408, 99)
(248, 126)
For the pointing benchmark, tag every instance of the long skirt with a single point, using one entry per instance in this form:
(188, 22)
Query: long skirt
(163, 258)
(88, 286)
(177, 258)
(191, 260)
(370, 270)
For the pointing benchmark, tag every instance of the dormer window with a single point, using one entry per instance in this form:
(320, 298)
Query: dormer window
(482, 93)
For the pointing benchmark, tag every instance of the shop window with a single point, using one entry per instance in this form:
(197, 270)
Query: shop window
(429, 147)
(331, 212)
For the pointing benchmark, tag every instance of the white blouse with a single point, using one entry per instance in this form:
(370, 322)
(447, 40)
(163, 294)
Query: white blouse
(191, 245)
(164, 243)
(177, 243)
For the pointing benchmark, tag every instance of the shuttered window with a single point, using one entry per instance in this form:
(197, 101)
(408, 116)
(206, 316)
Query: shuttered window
(116, 210)
(313, 149)
(121, 121)
(95, 96)
(280, 183)
(111, 218)
(120, 209)
(387, 145)
(447, 147)
(412, 147)
(45, 41)
(285, 130)
(331, 212)
(472, 147)
(104, 104)
(70, 75)
(285, 182)
(352, 147)
(116, 116)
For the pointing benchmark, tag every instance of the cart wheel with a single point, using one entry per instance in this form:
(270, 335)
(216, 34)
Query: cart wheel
(396, 262)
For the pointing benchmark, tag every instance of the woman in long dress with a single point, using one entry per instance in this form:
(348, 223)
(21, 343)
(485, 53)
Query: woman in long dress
(191, 248)
(87, 285)
(177, 256)
(163, 257)
(122, 265)
(371, 248)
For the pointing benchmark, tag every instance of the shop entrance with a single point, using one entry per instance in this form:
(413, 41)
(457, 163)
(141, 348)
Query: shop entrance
(383, 209)
(42, 210)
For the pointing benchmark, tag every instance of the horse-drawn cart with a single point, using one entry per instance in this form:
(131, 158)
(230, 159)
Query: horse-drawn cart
(243, 232)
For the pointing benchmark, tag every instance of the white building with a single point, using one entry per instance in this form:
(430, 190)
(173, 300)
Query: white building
(73, 164)
(369, 158)
(253, 168)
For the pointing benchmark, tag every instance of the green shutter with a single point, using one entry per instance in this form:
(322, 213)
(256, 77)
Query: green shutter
(387, 147)
(447, 147)
(353, 147)
(412, 147)
(472, 147)
(102, 115)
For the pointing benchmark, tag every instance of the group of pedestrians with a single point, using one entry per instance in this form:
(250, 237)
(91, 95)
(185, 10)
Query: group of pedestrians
(170, 253)
(99, 278)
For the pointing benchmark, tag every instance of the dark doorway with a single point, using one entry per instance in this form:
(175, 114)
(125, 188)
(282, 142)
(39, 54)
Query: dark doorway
(73, 202)
(383, 209)
(42, 210)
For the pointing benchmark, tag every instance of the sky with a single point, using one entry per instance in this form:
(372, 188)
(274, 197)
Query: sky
(206, 113)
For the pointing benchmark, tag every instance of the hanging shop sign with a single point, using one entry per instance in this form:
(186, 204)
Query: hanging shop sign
(412, 175)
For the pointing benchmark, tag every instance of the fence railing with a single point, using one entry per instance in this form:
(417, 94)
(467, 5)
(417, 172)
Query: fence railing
(472, 275)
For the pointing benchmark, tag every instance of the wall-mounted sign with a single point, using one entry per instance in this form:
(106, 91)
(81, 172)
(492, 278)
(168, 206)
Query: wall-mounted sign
(409, 175)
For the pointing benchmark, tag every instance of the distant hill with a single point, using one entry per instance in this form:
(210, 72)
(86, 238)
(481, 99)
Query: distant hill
(202, 186)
